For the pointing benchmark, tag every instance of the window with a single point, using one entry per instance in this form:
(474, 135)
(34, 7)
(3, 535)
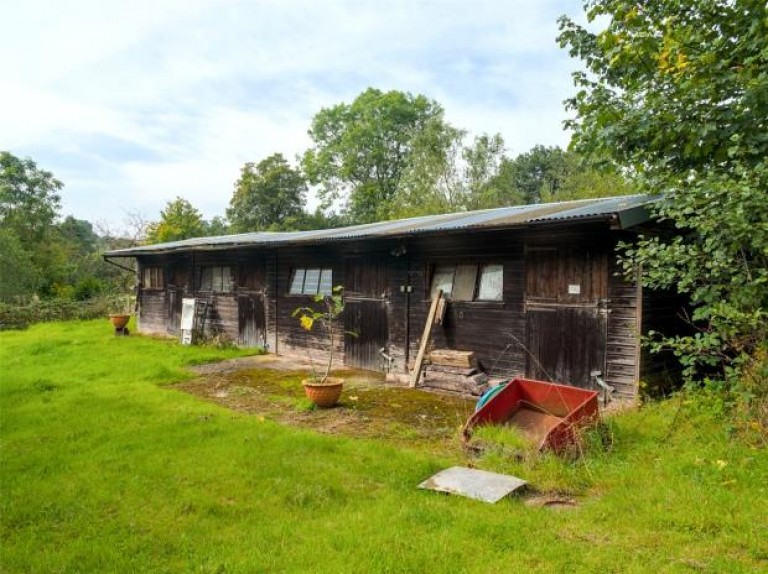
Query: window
(311, 281)
(469, 282)
(491, 286)
(152, 278)
(216, 279)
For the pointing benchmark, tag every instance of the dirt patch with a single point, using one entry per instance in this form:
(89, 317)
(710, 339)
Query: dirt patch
(270, 386)
(552, 501)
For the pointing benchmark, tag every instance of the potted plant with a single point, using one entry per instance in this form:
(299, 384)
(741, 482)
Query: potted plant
(120, 312)
(320, 387)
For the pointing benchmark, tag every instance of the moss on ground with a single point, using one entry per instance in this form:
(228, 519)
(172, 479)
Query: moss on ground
(368, 408)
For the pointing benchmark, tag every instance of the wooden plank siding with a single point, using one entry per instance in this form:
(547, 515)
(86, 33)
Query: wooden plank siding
(623, 339)
(152, 312)
(291, 338)
(494, 330)
(391, 279)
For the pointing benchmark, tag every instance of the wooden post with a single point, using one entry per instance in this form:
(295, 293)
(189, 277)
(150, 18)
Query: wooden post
(425, 338)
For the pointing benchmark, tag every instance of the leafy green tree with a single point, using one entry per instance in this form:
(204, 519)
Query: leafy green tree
(179, 220)
(545, 174)
(76, 250)
(483, 160)
(447, 175)
(533, 174)
(29, 207)
(216, 226)
(362, 149)
(79, 235)
(29, 197)
(19, 276)
(432, 181)
(677, 91)
(267, 196)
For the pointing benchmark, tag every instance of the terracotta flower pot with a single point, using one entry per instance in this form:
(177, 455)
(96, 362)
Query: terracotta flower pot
(119, 320)
(325, 394)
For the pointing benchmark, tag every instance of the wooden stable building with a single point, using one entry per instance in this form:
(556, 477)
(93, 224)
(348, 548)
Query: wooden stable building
(532, 290)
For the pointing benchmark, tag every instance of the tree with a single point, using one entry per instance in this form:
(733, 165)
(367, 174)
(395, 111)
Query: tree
(483, 160)
(431, 181)
(677, 91)
(545, 174)
(362, 149)
(29, 207)
(29, 198)
(217, 225)
(19, 276)
(79, 235)
(179, 220)
(447, 175)
(537, 173)
(267, 196)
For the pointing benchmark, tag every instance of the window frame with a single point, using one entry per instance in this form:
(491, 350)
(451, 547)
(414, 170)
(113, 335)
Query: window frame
(444, 269)
(323, 283)
(156, 276)
(201, 288)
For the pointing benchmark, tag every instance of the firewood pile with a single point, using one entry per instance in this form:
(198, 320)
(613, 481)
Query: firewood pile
(454, 372)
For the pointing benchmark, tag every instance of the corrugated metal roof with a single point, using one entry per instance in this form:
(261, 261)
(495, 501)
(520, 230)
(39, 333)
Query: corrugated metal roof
(499, 218)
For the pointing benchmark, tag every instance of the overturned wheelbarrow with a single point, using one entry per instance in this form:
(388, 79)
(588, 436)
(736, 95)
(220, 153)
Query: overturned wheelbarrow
(548, 414)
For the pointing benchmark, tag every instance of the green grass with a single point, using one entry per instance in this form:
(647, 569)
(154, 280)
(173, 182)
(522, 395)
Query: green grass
(106, 469)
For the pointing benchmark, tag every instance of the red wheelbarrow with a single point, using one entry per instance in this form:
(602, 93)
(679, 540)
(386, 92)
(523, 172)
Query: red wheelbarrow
(547, 413)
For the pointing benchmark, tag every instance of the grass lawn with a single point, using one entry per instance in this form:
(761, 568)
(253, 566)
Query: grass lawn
(104, 467)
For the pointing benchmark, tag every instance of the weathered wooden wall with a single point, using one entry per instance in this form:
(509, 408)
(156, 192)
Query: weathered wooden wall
(493, 329)
(152, 312)
(387, 285)
(290, 337)
(623, 342)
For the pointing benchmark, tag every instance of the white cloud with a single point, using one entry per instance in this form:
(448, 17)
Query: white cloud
(134, 103)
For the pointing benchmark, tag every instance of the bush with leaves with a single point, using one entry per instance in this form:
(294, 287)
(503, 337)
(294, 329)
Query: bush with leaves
(13, 316)
(677, 93)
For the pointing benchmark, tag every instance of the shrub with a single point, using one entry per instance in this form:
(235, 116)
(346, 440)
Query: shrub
(18, 316)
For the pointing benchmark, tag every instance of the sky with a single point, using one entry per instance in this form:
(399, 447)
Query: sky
(133, 103)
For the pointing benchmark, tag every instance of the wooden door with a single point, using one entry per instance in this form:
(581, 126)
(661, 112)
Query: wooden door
(367, 332)
(176, 278)
(366, 311)
(566, 315)
(565, 344)
(252, 326)
(173, 310)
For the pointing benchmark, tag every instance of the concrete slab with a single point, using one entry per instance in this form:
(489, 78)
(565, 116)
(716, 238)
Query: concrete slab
(472, 483)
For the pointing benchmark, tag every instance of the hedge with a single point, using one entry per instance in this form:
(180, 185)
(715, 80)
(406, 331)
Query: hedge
(14, 316)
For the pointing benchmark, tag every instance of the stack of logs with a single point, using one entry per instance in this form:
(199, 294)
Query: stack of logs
(455, 372)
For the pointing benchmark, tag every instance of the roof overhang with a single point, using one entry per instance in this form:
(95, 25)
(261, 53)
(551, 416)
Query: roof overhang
(619, 212)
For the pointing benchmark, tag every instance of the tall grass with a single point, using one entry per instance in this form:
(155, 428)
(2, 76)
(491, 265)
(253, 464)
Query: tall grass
(105, 469)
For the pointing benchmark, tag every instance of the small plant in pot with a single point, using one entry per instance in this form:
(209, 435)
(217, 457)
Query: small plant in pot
(120, 312)
(321, 388)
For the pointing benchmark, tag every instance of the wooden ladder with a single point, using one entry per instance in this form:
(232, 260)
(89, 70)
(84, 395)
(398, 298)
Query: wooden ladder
(201, 314)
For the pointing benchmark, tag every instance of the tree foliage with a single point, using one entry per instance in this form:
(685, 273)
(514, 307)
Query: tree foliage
(545, 174)
(179, 220)
(217, 225)
(457, 176)
(677, 91)
(19, 276)
(29, 207)
(29, 197)
(362, 149)
(268, 196)
(445, 174)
